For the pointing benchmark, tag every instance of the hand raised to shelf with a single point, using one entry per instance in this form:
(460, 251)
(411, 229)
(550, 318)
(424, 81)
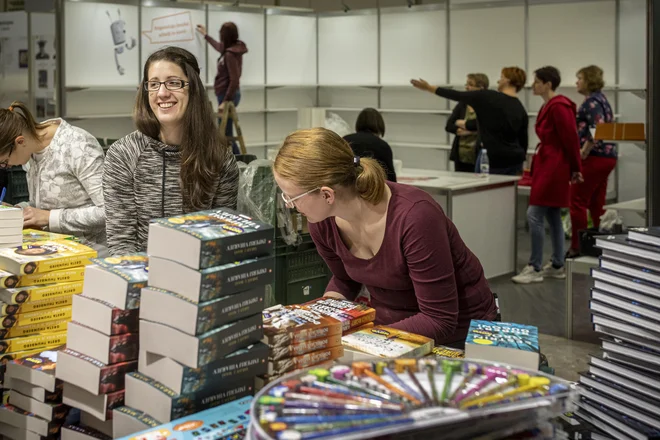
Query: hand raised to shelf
(422, 85)
(201, 29)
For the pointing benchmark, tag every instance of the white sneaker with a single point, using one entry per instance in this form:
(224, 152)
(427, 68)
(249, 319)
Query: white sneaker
(547, 265)
(551, 272)
(528, 275)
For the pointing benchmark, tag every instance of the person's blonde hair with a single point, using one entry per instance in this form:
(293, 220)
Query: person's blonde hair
(317, 157)
(480, 80)
(593, 78)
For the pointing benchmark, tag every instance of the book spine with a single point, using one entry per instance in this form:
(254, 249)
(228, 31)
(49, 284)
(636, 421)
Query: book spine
(236, 248)
(35, 306)
(236, 307)
(233, 368)
(31, 342)
(237, 279)
(114, 400)
(59, 276)
(133, 295)
(34, 329)
(113, 377)
(23, 319)
(293, 350)
(306, 360)
(124, 321)
(57, 264)
(221, 343)
(123, 348)
(184, 405)
(86, 431)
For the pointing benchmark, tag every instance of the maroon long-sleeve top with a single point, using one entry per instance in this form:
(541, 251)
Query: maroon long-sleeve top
(423, 279)
(230, 66)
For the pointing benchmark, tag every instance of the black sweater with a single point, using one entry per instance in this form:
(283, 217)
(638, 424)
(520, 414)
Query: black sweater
(503, 123)
(365, 144)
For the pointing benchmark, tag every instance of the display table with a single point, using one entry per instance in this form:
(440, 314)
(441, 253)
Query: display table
(483, 208)
(635, 205)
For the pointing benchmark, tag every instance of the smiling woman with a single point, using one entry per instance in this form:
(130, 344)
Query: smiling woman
(175, 162)
(64, 175)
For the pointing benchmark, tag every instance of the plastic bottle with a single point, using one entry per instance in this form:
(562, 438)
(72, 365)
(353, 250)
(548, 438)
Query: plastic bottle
(484, 164)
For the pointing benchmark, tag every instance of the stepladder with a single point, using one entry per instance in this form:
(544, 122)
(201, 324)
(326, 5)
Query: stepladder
(229, 115)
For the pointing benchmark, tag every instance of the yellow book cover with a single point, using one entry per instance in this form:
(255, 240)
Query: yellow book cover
(32, 235)
(32, 342)
(39, 293)
(45, 256)
(5, 358)
(35, 329)
(23, 319)
(10, 281)
(35, 306)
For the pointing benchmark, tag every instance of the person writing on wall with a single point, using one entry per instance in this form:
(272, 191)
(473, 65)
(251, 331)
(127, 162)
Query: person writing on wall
(598, 157)
(368, 141)
(555, 165)
(466, 137)
(230, 67)
(64, 177)
(392, 238)
(502, 119)
(175, 162)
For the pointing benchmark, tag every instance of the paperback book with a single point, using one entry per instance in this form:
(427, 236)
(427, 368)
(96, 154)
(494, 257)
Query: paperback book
(104, 317)
(118, 280)
(92, 375)
(45, 256)
(35, 306)
(9, 280)
(387, 342)
(511, 343)
(20, 295)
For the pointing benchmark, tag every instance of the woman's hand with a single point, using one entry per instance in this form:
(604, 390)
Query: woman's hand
(462, 132)
(221, 107)
(201, 29)
(460, 123)
(335, 295)
(35, 218)
(577, 178)
(423, 85)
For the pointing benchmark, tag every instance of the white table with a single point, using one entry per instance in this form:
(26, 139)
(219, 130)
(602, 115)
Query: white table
(483, 208)
(635, 205)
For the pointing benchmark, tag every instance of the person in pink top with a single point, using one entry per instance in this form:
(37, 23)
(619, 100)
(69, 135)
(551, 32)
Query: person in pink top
(392, 238)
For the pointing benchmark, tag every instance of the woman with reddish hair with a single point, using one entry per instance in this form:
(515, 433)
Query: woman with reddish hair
(230, 66)
(598, 157)
(501, 118)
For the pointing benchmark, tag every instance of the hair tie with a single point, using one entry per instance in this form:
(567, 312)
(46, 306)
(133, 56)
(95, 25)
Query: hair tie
(356, 161)
(11, 108)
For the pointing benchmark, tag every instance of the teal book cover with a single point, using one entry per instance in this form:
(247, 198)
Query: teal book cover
(503, 334)
(222, 422)
(132, 268)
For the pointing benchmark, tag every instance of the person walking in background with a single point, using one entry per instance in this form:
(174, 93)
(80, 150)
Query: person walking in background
(598, 158)
(230, 66)
(501, 117)
(555, 165)
(466, 141)
(367, 140)
(64, 177)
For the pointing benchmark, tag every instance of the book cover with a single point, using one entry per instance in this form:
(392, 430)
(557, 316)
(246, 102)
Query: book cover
(9, 280)
(214, 282)
(284, 325)
(28, 342)
(301, 348)
(45, 256)
(503, 334)
(32, 235)
(349, 313)
(20, 295)
(216, 423)
(134, 269)
(43, 316)
(182, 313)
(242, 364)
(224, 235)
(34, 329)
(388, 342)
(163, 399)
(86, 431)
(35, 306)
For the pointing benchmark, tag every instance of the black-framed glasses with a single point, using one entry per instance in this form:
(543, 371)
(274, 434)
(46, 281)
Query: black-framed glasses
(170, 84)
(4, 164)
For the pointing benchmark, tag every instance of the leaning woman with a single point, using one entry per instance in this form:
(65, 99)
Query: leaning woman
(175, 162)
(392, 238)
(64, 175)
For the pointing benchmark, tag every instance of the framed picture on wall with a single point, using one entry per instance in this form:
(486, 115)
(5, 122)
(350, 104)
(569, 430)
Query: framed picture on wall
(23, 58)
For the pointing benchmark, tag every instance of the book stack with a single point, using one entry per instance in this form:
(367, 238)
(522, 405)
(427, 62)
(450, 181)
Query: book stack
(620, 392)
(310, 334)
(38, 281)
(102, 342)
(35, 409)
(200, 316)
(11, 226)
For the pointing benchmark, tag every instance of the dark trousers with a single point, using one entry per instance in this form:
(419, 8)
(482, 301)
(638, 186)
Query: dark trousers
(229, 131)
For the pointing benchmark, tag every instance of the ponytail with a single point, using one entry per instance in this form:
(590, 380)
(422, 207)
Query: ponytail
(370, 182)
(15, 123)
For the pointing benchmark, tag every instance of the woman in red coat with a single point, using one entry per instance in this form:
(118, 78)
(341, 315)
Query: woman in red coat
(556, 164)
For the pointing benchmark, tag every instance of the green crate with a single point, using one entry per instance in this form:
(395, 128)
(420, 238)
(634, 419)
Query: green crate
(17, 187)
(301, 275)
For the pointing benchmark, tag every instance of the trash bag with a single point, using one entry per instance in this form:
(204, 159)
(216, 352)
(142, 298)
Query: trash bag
(335, 123)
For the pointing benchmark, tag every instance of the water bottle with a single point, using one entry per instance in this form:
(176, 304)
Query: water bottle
(484, 165)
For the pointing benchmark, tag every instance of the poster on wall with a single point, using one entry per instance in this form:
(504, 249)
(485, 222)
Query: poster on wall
(13, 54)
(162, 27)
(101, 44)
(251, 31)
(45, 64)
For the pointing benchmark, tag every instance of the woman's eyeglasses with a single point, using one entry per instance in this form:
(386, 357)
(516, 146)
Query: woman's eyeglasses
(4, 164)
(289, 201)
(170, 84)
